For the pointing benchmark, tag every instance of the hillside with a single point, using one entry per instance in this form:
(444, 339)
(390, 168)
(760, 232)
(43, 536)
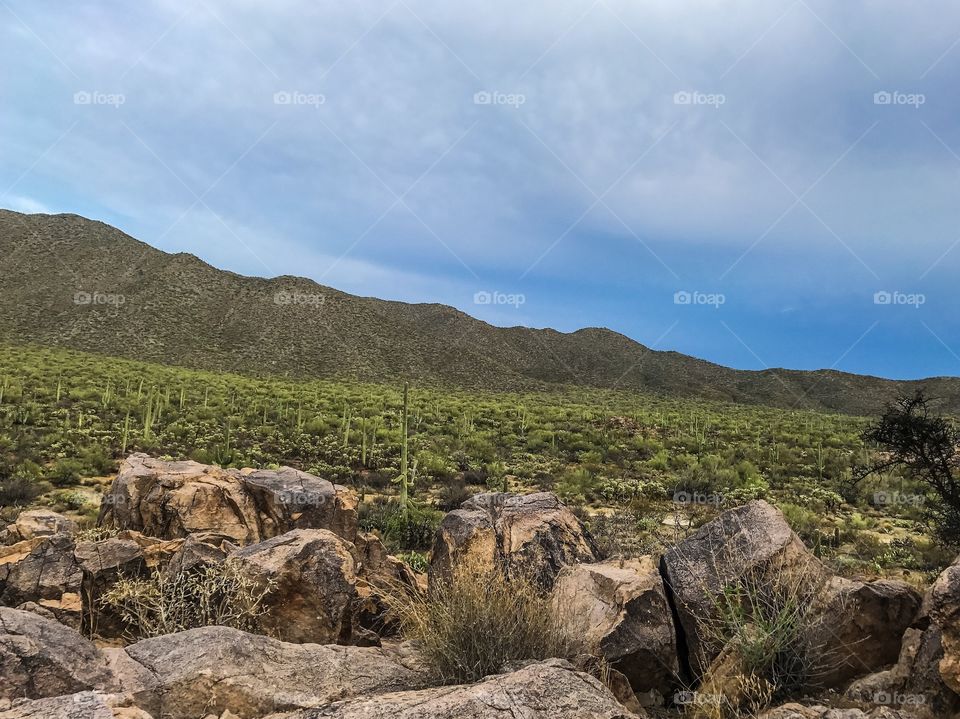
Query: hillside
(179, 310)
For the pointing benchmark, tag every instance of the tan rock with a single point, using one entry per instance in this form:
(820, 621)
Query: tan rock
(216, 669)
(548, 690)
(42, 571)
(42, 658)
(315, 585)
(619, 609)
(33, 523)
(534, 535)
(172, 500)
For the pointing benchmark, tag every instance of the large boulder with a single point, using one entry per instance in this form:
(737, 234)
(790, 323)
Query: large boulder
(800, 711)
(914, 679)
(858, 627)
(43, 572)
(171, 500)
(32, 523)
(548, 690)
(534, 535)
(619, 609)
(216, 669)
(42, 658)
(943, 606)
(315, 581)
(850, 628)
(82, 705)
(747, 540)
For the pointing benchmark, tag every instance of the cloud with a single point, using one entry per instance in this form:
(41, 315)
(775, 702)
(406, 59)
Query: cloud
(750, 155)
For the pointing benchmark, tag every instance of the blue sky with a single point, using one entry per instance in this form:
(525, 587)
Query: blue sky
(778, 164)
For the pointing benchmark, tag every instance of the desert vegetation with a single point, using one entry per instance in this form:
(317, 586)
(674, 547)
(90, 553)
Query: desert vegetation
(641, 468)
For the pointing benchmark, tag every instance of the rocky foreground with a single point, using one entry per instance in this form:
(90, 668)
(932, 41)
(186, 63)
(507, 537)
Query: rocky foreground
(327, 647)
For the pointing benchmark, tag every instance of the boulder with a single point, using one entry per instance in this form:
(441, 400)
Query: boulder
(620, 610)
(799, 711)
(858, 627)
(315, 585)
(547, 690)
(534, 535)
(943, 605)
(216, 669)
(82, 705)
(33, 523)
(751, 539)
(43, 571)
(42, 658)
(916, 674)
(171, 500)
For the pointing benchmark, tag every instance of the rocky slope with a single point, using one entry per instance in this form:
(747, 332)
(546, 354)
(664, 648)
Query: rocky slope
(878, 649)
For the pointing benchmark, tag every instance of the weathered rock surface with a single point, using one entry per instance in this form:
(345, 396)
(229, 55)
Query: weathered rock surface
(82, 705)
(42, 658)
(746, 539)
(943, 605)
(620, 609)
(916, 674)
(33, 523)
(853, 628)
(548, 690)
(315, 585)
(172, 500)
(532, 534)
(215, 669)
(859, 627)
(799, 711)
(43, 571)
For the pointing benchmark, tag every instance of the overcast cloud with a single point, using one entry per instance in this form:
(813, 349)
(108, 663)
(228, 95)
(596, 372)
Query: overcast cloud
(779, 162)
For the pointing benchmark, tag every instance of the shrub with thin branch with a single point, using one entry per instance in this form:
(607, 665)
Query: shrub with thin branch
(168, 602)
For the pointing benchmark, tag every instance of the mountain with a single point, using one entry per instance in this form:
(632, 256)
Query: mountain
(78, 283)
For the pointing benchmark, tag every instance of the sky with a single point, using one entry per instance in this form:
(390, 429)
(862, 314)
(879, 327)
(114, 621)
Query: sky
(760, 183)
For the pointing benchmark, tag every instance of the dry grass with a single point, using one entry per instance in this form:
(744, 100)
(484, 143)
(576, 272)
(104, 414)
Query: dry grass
(469, 626)
(215, 595)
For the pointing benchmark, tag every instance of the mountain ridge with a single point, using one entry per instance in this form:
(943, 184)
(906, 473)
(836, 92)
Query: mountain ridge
(83, 284)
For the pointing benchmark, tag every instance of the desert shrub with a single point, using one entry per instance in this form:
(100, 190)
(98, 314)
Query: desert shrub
(759, 623)
(470, 625)
(801, 520)
(66, 472)
(19, 491)
(417, 561)
(215, 595)
(407, 530)
(452, 495)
